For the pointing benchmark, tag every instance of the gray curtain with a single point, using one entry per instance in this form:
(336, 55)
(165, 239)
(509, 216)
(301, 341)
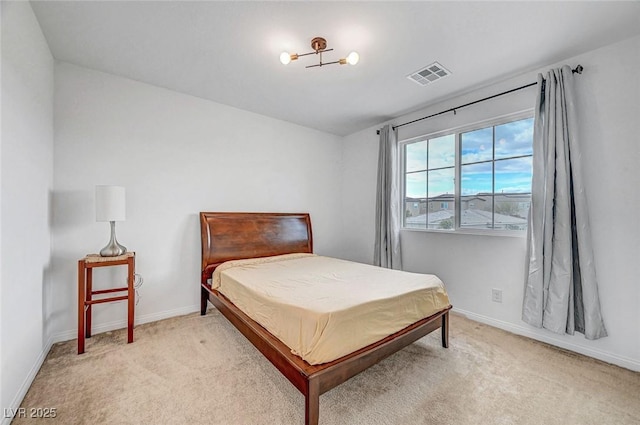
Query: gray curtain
(561, 291)
(387, 243)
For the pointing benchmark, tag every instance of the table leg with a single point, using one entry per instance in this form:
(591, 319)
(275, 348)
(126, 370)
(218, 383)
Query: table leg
(81, 299)
(88, 297)
(132, 298)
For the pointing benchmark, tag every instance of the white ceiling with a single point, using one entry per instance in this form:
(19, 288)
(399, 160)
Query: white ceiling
(228, 51)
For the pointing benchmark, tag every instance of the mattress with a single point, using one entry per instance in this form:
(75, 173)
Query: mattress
(323, 308)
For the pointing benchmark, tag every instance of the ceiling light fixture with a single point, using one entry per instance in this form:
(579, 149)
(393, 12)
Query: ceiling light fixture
(319, 46)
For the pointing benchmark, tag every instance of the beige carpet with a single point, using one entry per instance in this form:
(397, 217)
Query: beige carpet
(200, 370)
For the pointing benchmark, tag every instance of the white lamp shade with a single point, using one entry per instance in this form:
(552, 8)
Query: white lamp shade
(110, 203)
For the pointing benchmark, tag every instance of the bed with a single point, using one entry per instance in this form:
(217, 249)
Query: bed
(229, 237)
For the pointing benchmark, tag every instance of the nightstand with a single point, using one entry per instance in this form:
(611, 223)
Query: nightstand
(86, 292)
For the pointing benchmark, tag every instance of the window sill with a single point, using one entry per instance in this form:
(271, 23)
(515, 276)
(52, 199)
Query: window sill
(478, 232)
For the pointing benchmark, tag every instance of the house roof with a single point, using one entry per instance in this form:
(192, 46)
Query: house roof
(470, 217)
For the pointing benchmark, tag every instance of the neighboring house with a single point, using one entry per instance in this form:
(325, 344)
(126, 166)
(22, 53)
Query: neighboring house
(418, 206)
(445, 201)
(470, 218)
(415, 206)
(513, 204)
(511, 211)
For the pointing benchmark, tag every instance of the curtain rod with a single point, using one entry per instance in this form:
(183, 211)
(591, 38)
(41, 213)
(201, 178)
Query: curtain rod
(578, 69)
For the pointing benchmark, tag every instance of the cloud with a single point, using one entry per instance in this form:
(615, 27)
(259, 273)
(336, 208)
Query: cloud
(512, 175)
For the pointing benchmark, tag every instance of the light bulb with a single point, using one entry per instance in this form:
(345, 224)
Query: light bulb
(353, 58)
(285, 58)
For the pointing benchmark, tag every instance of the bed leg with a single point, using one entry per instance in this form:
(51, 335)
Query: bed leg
(312, 403)
(204, 298)
(445, 330)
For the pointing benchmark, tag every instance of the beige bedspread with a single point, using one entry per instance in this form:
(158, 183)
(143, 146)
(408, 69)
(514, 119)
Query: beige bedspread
(324, 308)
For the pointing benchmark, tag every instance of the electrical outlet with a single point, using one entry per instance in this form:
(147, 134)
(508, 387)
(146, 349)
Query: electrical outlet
(496, 295)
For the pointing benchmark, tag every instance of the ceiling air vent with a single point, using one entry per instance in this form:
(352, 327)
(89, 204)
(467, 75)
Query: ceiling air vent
(429, 74)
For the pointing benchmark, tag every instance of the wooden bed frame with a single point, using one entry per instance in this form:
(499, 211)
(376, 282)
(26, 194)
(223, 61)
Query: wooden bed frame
(231, 236)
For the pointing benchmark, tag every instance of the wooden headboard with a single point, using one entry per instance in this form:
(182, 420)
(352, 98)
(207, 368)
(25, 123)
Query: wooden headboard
(235, 236)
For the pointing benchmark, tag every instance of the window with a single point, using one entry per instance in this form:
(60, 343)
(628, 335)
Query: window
(470, 178)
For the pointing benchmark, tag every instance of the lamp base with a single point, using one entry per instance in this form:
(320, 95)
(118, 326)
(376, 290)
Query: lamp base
(113, 248)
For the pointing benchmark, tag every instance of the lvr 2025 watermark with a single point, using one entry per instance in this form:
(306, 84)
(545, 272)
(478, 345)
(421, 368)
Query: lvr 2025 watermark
(30, 412)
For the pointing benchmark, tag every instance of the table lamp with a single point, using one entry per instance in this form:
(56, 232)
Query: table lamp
(110, 206)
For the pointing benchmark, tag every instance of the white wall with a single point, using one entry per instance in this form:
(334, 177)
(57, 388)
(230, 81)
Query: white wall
(608, 103)
(176, 155)
(26, 181)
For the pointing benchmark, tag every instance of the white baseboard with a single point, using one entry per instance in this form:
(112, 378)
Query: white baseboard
(510, 327)
(615, 359)
(72, 334)
(26, 384)
(120, 324)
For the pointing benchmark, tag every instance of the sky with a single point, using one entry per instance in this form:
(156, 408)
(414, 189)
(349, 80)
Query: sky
(434, 159)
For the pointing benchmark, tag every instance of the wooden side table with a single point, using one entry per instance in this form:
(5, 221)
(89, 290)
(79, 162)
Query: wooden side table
(86, 292)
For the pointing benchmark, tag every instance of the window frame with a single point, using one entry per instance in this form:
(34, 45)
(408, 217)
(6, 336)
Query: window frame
(457, 132)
